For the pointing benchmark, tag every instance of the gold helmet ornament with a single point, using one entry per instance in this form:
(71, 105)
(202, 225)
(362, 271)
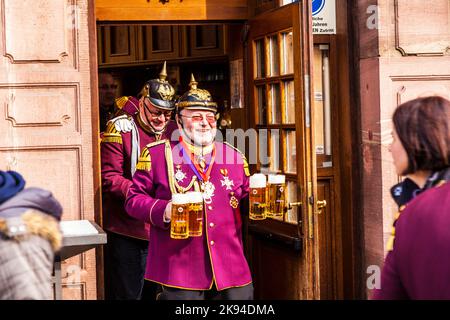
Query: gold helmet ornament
(159, 91)
(195, 98)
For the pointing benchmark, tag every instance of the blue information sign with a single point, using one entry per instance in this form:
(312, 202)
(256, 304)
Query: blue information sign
(317, 6)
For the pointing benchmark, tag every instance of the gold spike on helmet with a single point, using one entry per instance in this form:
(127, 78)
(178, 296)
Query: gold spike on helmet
(159, 91)
(195, 98)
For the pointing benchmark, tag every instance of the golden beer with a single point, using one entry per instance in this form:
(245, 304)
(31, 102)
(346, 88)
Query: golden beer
(277, 196)
(195, 213)
(258, 203)
(180, 217)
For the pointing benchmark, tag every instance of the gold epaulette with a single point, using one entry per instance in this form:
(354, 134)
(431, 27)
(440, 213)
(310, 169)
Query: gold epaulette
(246, 168)
(144, 161)
(111, 134)
(120, 102)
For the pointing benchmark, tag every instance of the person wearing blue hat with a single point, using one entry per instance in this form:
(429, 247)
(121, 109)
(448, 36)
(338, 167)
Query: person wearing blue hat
(29, 238)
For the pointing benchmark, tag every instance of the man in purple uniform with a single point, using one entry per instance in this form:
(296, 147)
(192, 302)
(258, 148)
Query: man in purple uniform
(142, 122)
(212, 266)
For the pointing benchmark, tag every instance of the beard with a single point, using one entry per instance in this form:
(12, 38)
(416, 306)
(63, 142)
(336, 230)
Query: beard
(201, 137)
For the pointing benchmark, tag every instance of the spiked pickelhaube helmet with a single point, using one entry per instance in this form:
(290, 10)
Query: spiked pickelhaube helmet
(159, 91)
(195, 98)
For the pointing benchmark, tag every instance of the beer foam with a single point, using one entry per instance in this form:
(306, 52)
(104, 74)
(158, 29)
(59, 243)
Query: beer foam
(277, 178)
(258, 180)
(180, 198)
(194, 197)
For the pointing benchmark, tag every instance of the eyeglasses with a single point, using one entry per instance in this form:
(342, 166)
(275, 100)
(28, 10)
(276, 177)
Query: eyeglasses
(106, 87)
(198, 118)
(157, 114)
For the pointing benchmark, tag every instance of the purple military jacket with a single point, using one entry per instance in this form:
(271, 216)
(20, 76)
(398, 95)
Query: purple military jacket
(196, 262)
(116, 177)
(418, 267)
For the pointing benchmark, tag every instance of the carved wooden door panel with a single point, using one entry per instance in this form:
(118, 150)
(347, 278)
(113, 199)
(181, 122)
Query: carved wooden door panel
(48, 107)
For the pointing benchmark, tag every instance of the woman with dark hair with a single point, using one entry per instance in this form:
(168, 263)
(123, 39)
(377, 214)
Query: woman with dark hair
(418, 261)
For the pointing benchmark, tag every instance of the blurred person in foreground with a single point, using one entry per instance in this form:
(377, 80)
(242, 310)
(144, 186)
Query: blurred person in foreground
(29, 238)
(418, 261)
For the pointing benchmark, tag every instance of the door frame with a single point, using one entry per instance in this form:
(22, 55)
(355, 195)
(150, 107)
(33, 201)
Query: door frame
(346, 93)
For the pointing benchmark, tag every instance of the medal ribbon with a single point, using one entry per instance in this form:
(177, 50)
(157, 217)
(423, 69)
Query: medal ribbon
(189, 158)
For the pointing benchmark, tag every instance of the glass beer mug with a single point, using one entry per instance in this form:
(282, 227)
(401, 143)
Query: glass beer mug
(277, 195)
(180, 216)
(195, 213)
(258, 205)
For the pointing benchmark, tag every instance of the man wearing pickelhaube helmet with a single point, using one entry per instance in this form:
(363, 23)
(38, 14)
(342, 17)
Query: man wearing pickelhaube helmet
(212, 265)
(141, 122)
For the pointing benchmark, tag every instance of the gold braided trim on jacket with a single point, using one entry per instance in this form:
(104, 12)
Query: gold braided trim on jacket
(111, 134)
(144, 161)
(39, 224)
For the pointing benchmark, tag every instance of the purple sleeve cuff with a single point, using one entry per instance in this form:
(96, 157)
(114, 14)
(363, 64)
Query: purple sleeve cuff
(157, 214)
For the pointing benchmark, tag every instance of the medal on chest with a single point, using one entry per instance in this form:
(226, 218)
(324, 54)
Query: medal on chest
(226, 182)
(208, 191)
(234, 203)
(180, 175)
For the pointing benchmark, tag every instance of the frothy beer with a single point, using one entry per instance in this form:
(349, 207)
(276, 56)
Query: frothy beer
(195, 213)
(180, 216)
(277, 195)
(258, 205)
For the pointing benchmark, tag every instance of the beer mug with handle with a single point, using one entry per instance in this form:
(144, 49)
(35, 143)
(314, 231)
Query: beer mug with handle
(258, 203)
(277, 195)
(179, 223)
(195, 213)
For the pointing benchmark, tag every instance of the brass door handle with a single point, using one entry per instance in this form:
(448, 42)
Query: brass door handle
(320, 205)
(291, 205)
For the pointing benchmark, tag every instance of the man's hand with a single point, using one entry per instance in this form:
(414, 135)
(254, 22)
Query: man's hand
(168, 212)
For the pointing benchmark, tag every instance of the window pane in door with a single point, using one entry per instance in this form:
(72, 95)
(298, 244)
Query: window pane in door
(275, 101)
(291, 196)
(289, 102)
(262, 105)
(291, 152)
(322, 107)
(275, 150)
(274, 56)
(287, 65)
(260, 59)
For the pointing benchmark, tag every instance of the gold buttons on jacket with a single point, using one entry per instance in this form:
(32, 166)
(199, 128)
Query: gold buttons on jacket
(211, 224)
(209, 207)
(211, 242)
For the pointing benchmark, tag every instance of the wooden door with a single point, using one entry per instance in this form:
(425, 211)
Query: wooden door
(49, 123)
(282, 251)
